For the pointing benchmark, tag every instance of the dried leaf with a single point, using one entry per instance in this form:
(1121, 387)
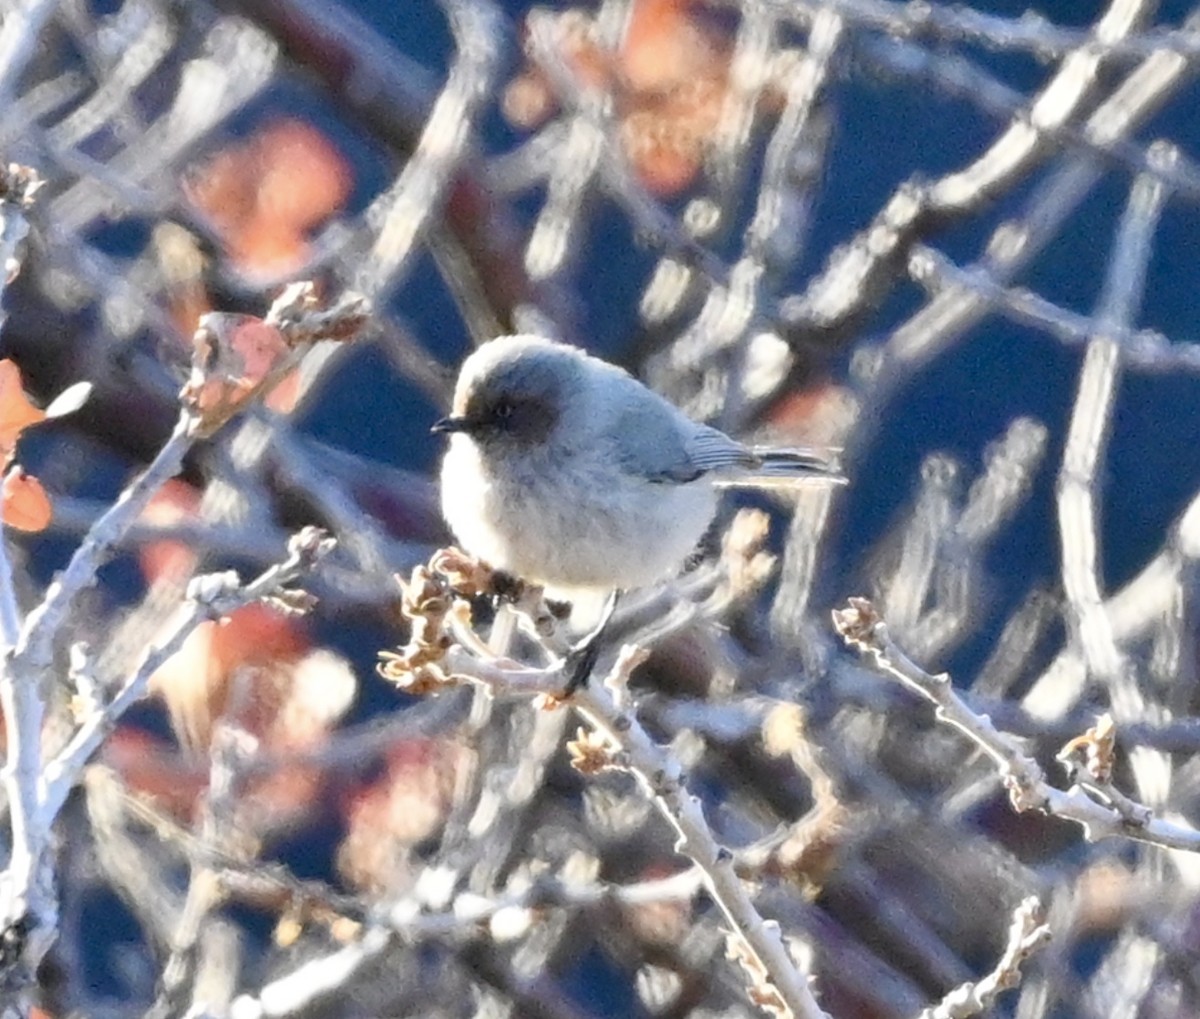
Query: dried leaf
(234, 358)
(26, 504)
(264, 195)
(17, 411)
(670, 82)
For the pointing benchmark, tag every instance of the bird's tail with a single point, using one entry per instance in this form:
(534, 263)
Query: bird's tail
(774, 467)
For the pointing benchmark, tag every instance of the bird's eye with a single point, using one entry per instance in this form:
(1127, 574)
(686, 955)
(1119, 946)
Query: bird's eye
(503, 410)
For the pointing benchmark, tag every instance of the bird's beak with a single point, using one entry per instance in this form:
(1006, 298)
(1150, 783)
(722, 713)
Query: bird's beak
(451, 425)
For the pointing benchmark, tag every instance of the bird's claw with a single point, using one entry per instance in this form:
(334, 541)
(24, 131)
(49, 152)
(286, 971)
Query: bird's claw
(580, 660)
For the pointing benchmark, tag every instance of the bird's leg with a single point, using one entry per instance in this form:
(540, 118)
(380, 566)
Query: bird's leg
(581, 658)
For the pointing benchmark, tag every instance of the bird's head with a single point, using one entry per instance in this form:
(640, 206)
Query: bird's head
(512, 393)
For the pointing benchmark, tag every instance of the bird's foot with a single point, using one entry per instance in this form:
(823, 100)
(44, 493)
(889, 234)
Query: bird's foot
(580, 660)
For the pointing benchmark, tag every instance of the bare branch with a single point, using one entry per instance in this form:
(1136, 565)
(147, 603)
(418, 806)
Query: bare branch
(1026, 935)
(1027, 787)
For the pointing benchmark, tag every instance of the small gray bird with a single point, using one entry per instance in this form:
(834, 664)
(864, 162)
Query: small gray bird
(568, 472)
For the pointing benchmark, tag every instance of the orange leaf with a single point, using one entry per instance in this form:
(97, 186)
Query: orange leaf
(17, 411)
(304, 180)
(25, 503)
(664, 168)
(269, 249)
(263, 196)
(152, 768)
(399, 809)
(667, 46)
(669, 81)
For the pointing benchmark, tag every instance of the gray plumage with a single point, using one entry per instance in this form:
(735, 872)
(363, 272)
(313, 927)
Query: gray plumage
(567, 471)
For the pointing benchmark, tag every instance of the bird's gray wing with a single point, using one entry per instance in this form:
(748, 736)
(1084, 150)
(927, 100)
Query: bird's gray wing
(667, 448)
(758, 466)
(663, 446)
(711, 450)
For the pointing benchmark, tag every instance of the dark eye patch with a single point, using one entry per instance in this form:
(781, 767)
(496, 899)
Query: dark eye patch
(526, 420)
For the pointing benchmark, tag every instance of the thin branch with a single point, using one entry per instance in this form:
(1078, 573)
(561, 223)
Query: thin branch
(589, 147)
(1030, 32)
(862, 628)
(27, 892)
(1132, 611)
(858, 272)
(29, 901)
(961, 77)
(18, 186)
(237, 62)
(1025, 936)
(771, 236)
(1145, 349)
(309, 983)
(35, 647)
(209, 597)
(1078, 514)
(400, 215)
(770, 967)
(19, 30)
(1016, 242)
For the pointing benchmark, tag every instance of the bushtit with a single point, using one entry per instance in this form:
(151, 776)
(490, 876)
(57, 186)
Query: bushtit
(568, 472)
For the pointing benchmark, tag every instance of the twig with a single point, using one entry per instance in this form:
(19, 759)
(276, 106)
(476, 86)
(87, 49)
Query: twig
(858, 272)
(146, 36)
(468, 915)
(1144, 349)
(309, 983)
(1025, 936)
(400, 215)
(34, 649)
(1078, 514)
(862, 628)
(209, 597)
(775, 979)
(1090, 421)
(237, 63)
(589, 147)
(357, 533)
(18, 186)
(1132, 610)
(1030, 31)
(231, 748)
(28, 903)
(258, 541)
(1014, 245)
(961, 77)
(28, 899)
(772, 236)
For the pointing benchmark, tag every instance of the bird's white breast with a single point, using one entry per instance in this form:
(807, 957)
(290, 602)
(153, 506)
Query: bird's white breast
(549, 522)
